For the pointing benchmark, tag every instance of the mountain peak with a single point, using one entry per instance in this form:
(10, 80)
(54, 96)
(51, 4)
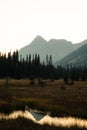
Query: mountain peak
(38, 37)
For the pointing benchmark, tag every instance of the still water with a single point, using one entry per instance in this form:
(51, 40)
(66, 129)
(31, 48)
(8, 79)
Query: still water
(46, 119)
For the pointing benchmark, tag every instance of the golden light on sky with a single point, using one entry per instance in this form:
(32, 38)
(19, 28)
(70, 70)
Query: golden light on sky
(22, 20)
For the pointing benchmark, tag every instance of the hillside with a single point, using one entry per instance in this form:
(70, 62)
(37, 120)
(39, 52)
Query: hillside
(77, 45)
(77, 57)
(57, 48)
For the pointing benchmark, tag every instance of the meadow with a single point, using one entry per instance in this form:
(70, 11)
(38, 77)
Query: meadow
(52, 96)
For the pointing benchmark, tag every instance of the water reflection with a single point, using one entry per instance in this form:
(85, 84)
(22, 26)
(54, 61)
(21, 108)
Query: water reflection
(57, 121)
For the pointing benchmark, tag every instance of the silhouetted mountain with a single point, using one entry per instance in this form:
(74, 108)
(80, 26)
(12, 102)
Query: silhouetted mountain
(77, 57)
(57, 48)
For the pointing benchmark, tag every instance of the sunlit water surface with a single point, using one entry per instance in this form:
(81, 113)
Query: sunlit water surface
(56, 121)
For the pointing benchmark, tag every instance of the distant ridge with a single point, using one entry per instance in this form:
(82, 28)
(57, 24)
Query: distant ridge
(77, 45)
(76, 58)
(58, 48)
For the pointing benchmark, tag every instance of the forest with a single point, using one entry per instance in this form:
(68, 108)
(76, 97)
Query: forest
(14, 66)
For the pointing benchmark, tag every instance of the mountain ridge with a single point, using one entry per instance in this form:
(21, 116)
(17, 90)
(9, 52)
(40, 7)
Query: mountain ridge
(76, 58)
(58, 48)
(52, 47)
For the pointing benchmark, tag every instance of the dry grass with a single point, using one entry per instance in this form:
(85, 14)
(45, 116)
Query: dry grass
(24, 124)
(69, 101)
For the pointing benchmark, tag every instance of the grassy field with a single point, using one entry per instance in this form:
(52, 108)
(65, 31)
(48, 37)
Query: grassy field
(54, 96)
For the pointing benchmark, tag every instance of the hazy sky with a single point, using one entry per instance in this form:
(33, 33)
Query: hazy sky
(22, 20)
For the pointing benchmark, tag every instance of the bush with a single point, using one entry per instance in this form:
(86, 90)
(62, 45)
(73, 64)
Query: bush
(41, 83)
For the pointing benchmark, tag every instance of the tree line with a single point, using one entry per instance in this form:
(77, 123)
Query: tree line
(15, 66)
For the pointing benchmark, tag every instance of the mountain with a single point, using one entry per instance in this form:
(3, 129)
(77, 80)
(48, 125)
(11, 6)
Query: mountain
(77, 57)
(77, 45)
(57, 48)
